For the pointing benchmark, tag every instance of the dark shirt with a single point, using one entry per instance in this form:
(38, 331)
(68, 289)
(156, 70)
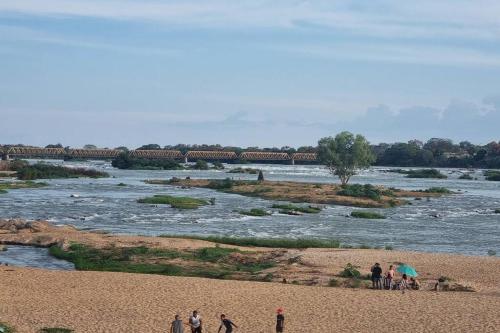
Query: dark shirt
(228, 324)
(280, 321)
(376, 272)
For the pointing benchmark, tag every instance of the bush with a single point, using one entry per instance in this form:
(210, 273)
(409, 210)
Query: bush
(361, 214)
(221, 184)
(254, 212)
(497, 211)
(441, 190)
(286, 243)
(250, 171)
(333, 282)
(362, 191)
(47, 171)
(425, 173)
(174, 202)
(6, 328)
(124, 161)
(289, 208)
(492, 253)
(389, 248)
(350, 271)
(218, 165)
(493, 175)
(200, 165)
(466, 176)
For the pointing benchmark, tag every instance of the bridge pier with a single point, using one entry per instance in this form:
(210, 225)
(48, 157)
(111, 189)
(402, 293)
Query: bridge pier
(185, 159)
(293, 161)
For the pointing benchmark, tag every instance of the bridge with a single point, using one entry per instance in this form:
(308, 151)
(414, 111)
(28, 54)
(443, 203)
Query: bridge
(190, 156)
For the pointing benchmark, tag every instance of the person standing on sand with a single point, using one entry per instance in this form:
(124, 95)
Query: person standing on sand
(389, 278)
(195, 322)
(228, 324)
(376, 276)
(280, 321)
(177, 325)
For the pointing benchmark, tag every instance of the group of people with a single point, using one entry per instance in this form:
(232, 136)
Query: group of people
(196, 323)
(388, 281)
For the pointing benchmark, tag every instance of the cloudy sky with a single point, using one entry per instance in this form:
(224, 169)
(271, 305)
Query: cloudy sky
(257, 72)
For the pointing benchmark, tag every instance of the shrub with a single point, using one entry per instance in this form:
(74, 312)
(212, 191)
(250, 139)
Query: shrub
(493, 175)
(492, 253)
(200, 165)
(425, 173)
(466, 176)
(388, 248)
(218, 165)
(254, 212)
(441, 190)
(250, 171)
(6, 328)
(221, 184)
(124, 161)
(174, 202)
(497, 211)
(361, 214)
(350, 271)
(289, 208)
(362, 191)
(47, 171)
(333, 282)
(299, 243)
(213, 254)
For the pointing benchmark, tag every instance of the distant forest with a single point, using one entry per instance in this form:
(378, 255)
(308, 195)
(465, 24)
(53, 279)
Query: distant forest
(435, 152)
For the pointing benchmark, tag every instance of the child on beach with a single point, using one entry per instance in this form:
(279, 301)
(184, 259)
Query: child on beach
(228, 324)
(280, 321)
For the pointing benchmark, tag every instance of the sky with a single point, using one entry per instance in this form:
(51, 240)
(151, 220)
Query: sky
(247, 73)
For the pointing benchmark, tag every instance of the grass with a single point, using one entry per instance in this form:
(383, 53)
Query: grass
(425, 173)
(6, 328)
(254, 212)
(493, 175)
(174, 202)
(288, 243)
(362, 214)
(289, 208)
(4, 186)
(440, 190)
(55, 330)
(48, 171)
(211, 262)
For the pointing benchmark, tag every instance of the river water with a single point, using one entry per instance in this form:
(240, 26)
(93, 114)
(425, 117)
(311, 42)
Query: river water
(463, 223)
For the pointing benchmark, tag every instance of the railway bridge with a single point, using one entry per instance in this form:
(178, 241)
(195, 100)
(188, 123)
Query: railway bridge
(189, 156)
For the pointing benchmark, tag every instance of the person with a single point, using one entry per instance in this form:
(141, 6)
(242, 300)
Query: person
(195, 322)
(403, 284)
(389, 277)
(414, 284)
(228, 324)
(177, 325)
(376, 276)
(280, 321)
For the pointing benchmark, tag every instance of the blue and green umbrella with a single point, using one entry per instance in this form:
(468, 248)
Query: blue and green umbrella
(408, 270)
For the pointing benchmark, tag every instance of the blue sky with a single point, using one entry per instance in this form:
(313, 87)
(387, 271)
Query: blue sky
(249, 73)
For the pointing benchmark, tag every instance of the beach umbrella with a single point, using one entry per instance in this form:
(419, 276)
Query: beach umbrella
(408, 270)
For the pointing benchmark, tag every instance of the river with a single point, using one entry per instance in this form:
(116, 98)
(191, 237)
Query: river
(462, 223)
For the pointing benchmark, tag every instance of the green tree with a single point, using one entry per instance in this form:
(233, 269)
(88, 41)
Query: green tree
(345, 154)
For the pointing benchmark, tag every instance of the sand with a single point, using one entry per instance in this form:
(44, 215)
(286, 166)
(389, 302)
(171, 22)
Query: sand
(121, 302)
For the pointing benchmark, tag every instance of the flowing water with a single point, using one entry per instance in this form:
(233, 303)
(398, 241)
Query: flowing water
(29, 256)
(462, 223)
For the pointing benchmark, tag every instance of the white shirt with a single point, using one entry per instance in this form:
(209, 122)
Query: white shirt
(195, 321)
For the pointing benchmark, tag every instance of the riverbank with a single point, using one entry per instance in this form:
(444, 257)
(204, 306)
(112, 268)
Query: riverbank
(368, 196)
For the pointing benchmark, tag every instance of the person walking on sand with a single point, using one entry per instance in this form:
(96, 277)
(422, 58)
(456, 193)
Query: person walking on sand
(195, 322)
(376, 276)
(228, 324)
(177, 325)
(280, 321)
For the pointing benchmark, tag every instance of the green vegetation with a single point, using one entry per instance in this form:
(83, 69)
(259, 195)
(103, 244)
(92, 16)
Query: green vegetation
(333, 282)
(4, 328)
(439, 190)
(362, 214)
(364, 191)
(492, 253)
(210, 262)
(388, 248)
(200, 165)
(124, 161)
(497, 211)
(55, 330)
(350, 271)
(424, 173)
(287, 243)
(6, 175)
(121, 184)
(289, 208)
(174, 202)
(466, 176)
(48, 171)
(4, 186)
(255, 212)
(493, 175)
(250, 171)
(221, 184)
(345, 154)
(218, 165)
